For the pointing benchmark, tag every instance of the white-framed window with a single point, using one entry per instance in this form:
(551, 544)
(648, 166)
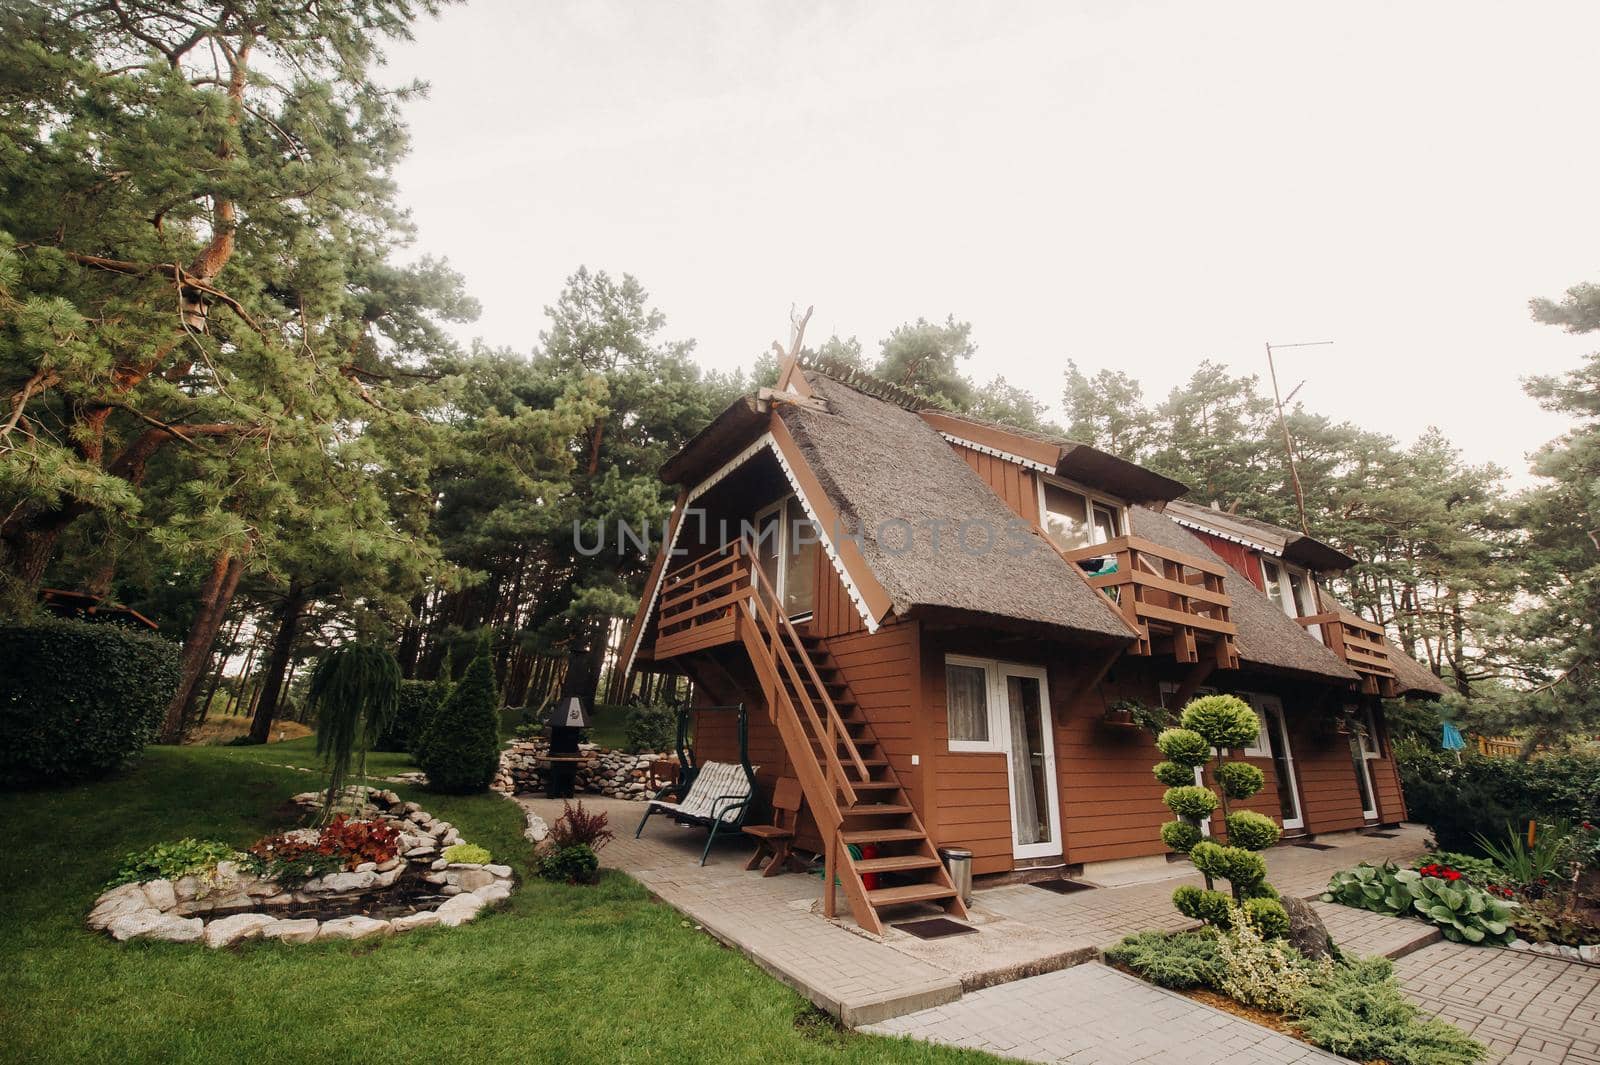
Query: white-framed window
(786, 550)
(1290, 587)
(970, 687)
(1074, 517)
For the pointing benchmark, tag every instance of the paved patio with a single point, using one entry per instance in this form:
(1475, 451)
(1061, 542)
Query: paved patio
(1019, 987)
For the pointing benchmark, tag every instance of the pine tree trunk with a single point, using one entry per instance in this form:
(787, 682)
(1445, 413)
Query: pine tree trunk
(289, 617)
(216, 593)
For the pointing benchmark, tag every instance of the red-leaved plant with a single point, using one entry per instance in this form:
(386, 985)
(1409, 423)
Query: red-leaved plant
(577, 827)
(343, 844)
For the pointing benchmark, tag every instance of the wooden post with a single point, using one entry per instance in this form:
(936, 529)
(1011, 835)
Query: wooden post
(830, 872)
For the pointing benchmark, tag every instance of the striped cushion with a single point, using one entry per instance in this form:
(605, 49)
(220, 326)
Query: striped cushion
(714, 781)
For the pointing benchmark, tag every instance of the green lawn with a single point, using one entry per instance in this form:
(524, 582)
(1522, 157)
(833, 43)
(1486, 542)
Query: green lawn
(562, 974)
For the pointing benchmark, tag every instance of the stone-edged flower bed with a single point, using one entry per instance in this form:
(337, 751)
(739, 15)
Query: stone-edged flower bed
(231, 900)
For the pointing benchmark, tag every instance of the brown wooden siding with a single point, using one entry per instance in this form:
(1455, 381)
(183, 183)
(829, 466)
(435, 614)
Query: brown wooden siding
(833, 612)
(1327, 775)
(1386, 777)
(1011, 482)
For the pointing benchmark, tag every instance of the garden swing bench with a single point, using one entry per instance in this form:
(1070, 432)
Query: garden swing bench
(714, 795)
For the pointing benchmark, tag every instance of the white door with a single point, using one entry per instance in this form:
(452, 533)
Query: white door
(1029, 745)
(1270, 709)
(1362, 747)
(786, 551)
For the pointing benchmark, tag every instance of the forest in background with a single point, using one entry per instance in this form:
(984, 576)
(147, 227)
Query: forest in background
(233, 403)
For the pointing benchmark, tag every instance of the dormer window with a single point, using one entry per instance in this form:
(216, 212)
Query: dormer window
(1291, 589)
(1074, 518)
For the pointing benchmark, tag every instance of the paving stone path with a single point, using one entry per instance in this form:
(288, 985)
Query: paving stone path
(1095, 1015)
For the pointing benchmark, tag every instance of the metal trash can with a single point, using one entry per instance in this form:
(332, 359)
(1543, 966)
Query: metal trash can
(958, 861)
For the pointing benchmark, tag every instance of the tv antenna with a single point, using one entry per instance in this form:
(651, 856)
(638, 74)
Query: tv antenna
(1288, 441)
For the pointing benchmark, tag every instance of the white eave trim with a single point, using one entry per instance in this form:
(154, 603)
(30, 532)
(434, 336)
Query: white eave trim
(766, 442)
(997, 453)
(1219, 534)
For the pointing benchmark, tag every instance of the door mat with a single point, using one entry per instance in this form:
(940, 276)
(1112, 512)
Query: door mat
(1316, 846)
(1063, 887)
(935, 928)
(1382, 835)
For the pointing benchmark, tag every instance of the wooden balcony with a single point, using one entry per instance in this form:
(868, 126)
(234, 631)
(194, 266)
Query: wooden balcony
(698, 601)
(1361, 645)
(1175, 600)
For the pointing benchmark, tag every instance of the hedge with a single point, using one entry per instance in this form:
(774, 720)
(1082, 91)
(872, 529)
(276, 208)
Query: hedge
(1481, 794)
(78, 699)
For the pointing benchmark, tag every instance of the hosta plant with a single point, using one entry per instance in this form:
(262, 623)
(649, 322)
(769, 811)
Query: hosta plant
(1463, 913)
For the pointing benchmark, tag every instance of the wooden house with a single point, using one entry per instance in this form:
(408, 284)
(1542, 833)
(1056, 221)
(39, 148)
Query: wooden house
(942, 627)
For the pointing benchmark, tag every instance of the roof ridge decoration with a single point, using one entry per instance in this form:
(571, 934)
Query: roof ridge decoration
(863, 381)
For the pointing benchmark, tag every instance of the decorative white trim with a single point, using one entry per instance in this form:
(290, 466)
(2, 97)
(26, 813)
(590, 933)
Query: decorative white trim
(1219, 534)
(997, 453)
(765, 441)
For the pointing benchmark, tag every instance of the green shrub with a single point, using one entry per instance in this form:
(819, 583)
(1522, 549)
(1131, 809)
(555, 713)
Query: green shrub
(1180, 835)
(1259, 969)
(1179, 960)
(1191, 801)
(1174, 775)
(652, 728)
(1203, 904)
(1481, 794)
(78, 699)
(1357, 1010)
(169, 861)
(462, 748)
(415, 704)
(1462, 912)
(467, 854)
(1251, 830)
(1240, 780)
(1184, 746)
(1268, 915)
(577, 864)
(1226, 721)
(1239, 867)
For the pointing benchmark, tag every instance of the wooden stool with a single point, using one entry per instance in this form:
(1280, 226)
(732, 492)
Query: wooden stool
(778, 837)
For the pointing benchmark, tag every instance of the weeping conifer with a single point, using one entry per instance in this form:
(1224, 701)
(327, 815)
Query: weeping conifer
(353, 696)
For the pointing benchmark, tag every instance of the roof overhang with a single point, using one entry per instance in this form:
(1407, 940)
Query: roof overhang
(1077, 462)
(730, 431)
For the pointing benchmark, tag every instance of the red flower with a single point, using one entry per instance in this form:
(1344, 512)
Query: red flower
(1451, 874)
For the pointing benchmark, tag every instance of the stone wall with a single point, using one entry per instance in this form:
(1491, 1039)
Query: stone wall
(615, 774)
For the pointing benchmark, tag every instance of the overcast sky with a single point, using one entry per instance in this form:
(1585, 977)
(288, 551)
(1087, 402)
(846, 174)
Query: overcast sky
(1130, 185)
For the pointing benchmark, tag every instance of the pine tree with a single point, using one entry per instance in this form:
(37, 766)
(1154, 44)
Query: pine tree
(462, 749)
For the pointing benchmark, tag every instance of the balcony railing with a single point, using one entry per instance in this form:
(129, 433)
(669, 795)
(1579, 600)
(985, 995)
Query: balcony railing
(1361, 645)
(698, 601)
(1169, 596)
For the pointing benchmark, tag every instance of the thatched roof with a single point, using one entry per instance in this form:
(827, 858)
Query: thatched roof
(889, 473)
(1274, 539)
(1414, 677)
(1267, 637)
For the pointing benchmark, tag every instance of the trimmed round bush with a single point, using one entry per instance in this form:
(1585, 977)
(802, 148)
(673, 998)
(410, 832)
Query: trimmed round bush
(1236, 865)
(1269, 917)
(1174, 775)
(1240, 780)
(1203, 904)
(1191, 801)
(1180, 835)
(78, 698)
(1184, 746)
(1224, 720)
(1252, 831)
(1261, 890)
(462, 748)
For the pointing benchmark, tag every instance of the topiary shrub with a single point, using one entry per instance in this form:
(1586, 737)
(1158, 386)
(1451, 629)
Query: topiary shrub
(1203, 904)
(1240, 780)
(1180, 835)
(415, 703)
(78, 699)
(1252, 831)
(462, 749)
(1190, 800)
(1268, 915)
(1210, 727)
(1174, 774)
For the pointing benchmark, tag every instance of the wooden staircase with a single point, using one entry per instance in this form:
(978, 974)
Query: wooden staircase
(853, 793)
